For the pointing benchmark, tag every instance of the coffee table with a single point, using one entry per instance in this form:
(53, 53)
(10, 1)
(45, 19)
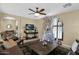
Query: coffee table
(37, 47)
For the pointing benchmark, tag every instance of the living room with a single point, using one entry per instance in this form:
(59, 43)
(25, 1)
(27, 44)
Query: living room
(23, 29)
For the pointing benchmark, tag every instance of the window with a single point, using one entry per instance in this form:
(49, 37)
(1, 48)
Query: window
(57, 28)
(60, 30)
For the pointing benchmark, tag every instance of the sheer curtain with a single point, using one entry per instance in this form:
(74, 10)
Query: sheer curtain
(55, 30)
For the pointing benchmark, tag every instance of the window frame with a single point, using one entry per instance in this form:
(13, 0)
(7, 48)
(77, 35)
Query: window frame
(57, 26)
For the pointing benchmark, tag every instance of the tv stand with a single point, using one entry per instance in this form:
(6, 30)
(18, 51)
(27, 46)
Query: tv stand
(31, 33)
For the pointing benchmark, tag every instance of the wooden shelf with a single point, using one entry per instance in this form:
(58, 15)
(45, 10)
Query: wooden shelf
(31, 37)
(30, 32)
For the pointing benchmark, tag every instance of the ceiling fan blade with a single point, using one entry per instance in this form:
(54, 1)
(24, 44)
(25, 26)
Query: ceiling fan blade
(41, 10)
(31, 10)
(42, 13)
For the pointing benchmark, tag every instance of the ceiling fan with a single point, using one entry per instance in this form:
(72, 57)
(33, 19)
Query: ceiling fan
(37, 12)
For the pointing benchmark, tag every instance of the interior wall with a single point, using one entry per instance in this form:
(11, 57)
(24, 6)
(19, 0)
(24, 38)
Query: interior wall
(71, 27)
(70, 20)
(21, 24)
(37, 22)
(5, 22)
(0, 22)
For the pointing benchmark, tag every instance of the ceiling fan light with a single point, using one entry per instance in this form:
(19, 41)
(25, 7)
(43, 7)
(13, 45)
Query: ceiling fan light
(37, 14)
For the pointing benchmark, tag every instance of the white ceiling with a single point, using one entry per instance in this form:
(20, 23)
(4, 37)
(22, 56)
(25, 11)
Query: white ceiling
(21, 9)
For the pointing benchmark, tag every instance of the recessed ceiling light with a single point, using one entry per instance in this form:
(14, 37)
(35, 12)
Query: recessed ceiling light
(9, 18)
(67, 5)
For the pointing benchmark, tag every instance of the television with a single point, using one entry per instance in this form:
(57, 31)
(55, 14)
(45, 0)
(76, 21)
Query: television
(29, 26)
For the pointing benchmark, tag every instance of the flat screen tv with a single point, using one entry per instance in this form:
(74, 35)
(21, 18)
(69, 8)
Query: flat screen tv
(29, 26)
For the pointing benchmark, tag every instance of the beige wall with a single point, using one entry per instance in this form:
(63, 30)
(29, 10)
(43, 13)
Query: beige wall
(70, 20)
(38, 23)
(21, 23)
(71, 26)
(0, 22)
(5, 22)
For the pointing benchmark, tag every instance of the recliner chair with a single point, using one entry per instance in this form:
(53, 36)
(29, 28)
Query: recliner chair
(74, 50)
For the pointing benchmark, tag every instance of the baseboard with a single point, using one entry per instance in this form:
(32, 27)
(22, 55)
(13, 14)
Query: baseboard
(66, 46)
